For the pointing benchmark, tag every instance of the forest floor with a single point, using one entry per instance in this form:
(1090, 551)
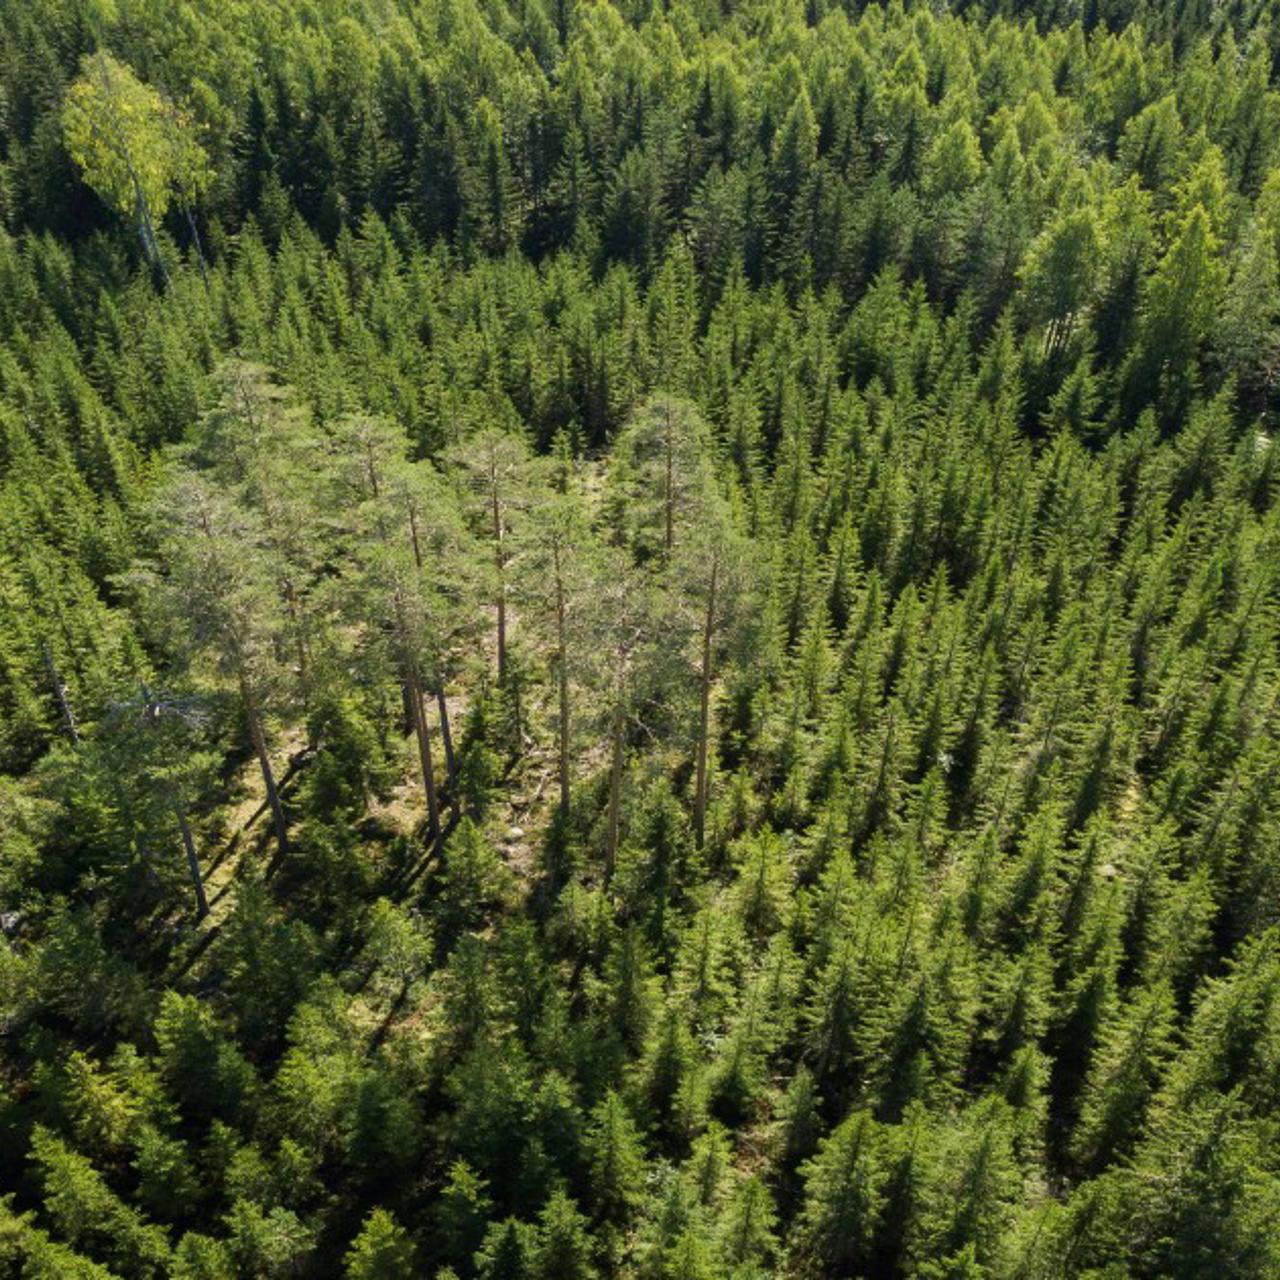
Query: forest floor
(242, 841)
(247, 830)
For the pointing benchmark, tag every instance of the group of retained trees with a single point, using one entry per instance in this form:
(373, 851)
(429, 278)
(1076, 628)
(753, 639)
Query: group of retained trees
(639, 641)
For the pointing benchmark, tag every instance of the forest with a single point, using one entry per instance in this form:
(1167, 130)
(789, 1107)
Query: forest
(639, 639)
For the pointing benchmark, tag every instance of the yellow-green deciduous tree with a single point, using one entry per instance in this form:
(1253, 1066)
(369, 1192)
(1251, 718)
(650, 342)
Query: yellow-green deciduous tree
(133, 146)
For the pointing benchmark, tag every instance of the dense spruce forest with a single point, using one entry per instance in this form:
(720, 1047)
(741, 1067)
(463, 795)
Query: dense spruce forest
(639, 639)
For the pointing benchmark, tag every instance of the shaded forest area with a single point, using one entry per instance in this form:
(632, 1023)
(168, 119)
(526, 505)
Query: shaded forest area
(639, 640)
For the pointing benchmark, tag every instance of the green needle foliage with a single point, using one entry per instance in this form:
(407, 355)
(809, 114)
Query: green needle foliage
(639, 642)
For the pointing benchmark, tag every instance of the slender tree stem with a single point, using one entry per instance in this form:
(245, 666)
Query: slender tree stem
(562, 679)
(446, 734)
(258, 737)
(669, 499)
(423, 735)
(193, 862)
(615, 790)
(60, 694)
(704, 727)
(500, 564)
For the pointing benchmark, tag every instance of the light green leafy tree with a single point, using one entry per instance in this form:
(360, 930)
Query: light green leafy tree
(134, 147)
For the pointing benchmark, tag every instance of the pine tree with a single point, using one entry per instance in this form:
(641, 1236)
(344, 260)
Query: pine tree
(217, 589)
(461, 1214)
(382, 1248)
(559, 580)
(844, 1190)
(508, 1251)
(494, 462)
(564, 1251)
(615, 1160)
(1246, 336)
(403, 534)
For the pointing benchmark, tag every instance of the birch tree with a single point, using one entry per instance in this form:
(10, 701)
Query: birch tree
(134, 148)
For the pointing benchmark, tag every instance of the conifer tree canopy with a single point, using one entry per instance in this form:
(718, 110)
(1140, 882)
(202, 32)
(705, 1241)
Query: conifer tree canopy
(639, 641)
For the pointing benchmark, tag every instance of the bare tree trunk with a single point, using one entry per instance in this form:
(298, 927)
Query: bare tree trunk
(299, 632)
(198, 246)
(446, 734)
(146, 227)
(269, 781)
(615, 792)
(259, 741)
(704, 730)
(500, 562)
(193, 862)
(517, 707)
(413, 538)
(423, 735)
(60, 694)
(562, 676)
(670, 500)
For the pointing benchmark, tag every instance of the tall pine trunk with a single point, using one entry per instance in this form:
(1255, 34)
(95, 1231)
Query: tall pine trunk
(259, 740)
(669, 497)
(615, 790)
(500, 563)
(299, 632)
(562, 676)
(423, 735)
(704, 724)
(193, 862)
(446, 734)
